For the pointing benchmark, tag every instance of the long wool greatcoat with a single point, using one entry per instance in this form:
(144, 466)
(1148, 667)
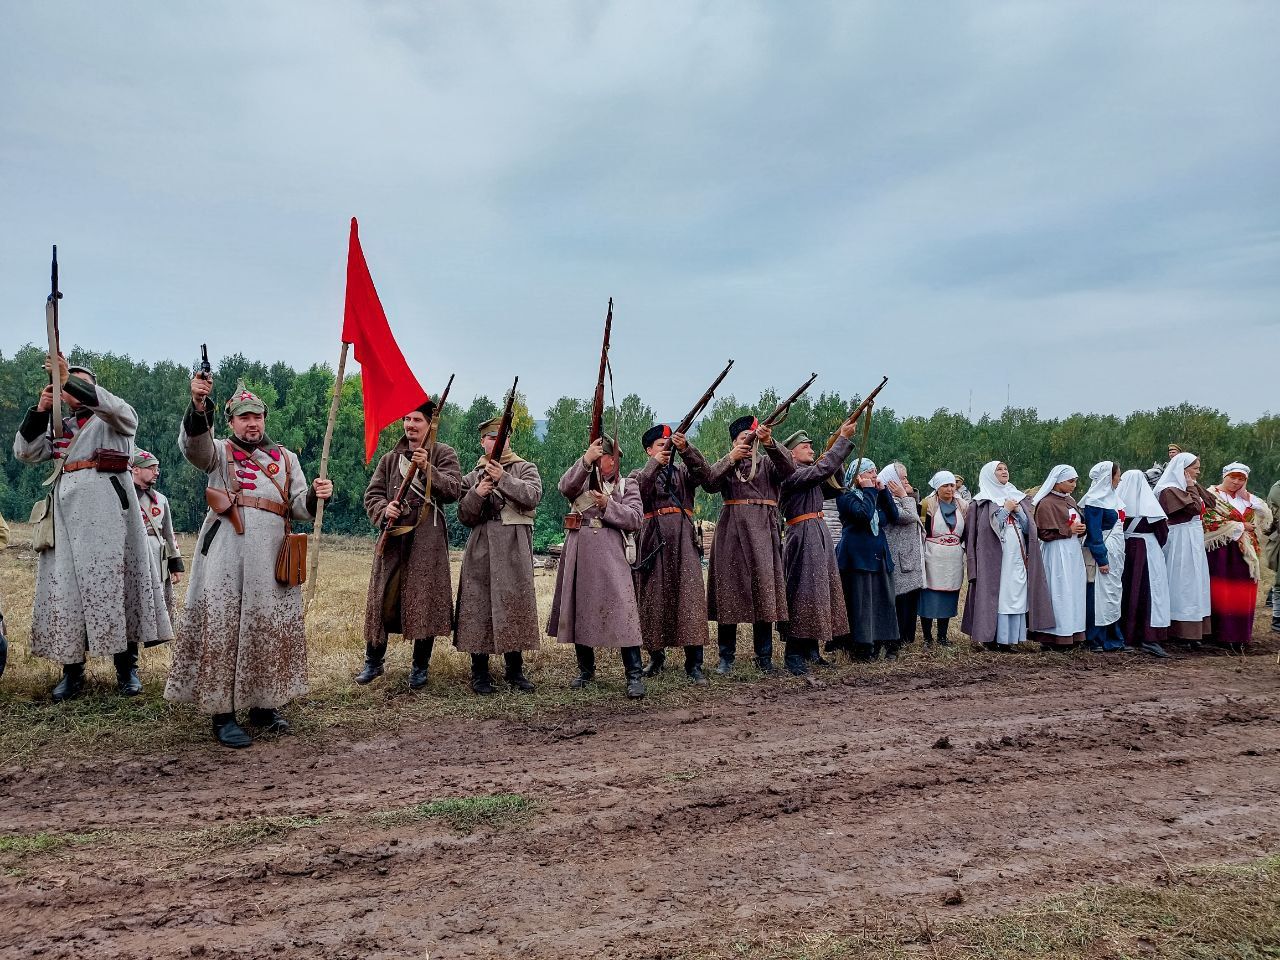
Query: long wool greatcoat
(497, 610)
(669, 585)
(409, 588)
(162, 543)
(241, 643)
(983, 552)
(747, 582)
(815, 599)
(96, 586)
(595, 598)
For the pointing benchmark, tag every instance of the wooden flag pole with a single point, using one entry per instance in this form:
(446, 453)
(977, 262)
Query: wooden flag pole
(313, 562)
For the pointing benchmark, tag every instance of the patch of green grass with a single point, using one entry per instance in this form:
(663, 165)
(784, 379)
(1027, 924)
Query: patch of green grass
(25, 845)
(464, 813)
(243, 833)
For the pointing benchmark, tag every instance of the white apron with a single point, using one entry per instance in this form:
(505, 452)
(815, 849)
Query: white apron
(944, 553)
(1013, 571)
(1188, 567)
(1108, 588)
(1064, 566)
(1157, 575)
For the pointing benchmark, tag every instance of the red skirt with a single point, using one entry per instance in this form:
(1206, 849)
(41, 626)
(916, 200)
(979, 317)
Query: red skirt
(1233, 594)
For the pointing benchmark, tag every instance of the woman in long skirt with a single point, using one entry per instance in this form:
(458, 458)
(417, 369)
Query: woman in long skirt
(866, 566)
(1059, 526)
(1104, 540)
(944, 526)
(1008, 592)
(1232, 520)
(1144, 609)
(1183, 501)
(906, 542)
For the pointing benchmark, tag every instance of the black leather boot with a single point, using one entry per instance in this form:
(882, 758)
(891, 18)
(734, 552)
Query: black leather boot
(797, 663)
(229, 733)
(126, 663)
(515, 672)
(762, 642)
(421, 662)
(481, 682)
(693, 666)
(657, 660)
(586, 657)
(4, 647)
(72, 683)
(269, 719)
(814, 653)
(727, 644)
(633, 664)
(373, 657)
(942, 632)
(926, 630)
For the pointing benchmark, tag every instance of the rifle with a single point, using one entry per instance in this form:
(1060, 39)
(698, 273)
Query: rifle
(865, 406)
(781, 410)
(504, 428)
(853, 417)
(51, 325)
(597, 402)
(687, 423)
(429, 444)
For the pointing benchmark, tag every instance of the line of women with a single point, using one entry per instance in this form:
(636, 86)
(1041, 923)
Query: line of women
(1125, 567)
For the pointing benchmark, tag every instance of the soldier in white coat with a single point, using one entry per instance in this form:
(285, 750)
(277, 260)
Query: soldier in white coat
(242, 642)
(157, 519)
(94, 589)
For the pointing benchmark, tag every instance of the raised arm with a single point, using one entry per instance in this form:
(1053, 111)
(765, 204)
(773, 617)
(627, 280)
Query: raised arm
(626, 513)
(32, 443)
(110, 409)
(821, 469)
(575, 480)
(196, 440)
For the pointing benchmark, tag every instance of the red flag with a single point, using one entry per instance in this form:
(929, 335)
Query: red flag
(390, 388)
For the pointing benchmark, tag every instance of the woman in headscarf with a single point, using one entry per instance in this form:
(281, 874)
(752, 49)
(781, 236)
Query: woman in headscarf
(1232, 521)
(1058, 527)
(1144, 612)
(1183, 501)
(944, 529)
(1104, 563)
(1008, 592)
(866, 565)
(906, 546)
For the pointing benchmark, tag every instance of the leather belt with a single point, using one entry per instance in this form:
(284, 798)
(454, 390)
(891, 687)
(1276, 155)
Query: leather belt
(260, 503)
(75, 465)
(576, 521)
(803, 517)
(751, 502)
(667, 511)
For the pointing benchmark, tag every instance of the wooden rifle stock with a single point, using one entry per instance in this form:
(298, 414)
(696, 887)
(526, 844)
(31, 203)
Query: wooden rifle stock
(866, 404)
(55, 352)
(687, 423)
(429, 444)
(781, 410)
(504, 428)
(597, 401)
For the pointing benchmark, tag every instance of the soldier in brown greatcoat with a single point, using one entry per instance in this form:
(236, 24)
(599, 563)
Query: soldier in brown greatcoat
(409, 588)
(595, 599)
(669, 587)
(497, 610)
(815, 599)
(747, 583)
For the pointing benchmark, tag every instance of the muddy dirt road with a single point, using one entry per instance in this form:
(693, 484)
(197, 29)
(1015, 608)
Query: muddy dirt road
(657, 833)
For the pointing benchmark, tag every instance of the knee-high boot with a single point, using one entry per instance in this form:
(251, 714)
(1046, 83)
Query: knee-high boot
(762, 642)
(634, 667)
(514, 673)
(421, 662)
(373, 657)
(126, 664)
(586, 657)
(727, 644)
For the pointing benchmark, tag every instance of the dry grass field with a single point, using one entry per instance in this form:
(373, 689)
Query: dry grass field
(954, 804)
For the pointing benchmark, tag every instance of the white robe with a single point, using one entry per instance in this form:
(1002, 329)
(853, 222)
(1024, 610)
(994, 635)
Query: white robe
(1108, 588)
(1188, 568)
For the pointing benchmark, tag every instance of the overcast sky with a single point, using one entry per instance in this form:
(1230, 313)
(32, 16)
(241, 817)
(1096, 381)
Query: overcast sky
(1073, 204)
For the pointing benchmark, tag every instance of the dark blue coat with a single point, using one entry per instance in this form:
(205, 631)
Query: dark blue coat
(858, 549)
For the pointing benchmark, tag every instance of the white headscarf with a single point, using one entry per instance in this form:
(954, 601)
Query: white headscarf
(1236, 467)
(989, 488)
(891, 472)
(1136, 497)
(1175, 474)
(1101, 492)
(1063, 471)
(941, 479)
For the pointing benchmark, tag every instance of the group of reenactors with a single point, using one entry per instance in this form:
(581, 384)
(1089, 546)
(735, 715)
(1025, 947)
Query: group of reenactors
(630, 577)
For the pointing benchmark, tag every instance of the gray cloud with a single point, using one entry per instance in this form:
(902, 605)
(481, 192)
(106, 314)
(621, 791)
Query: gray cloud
(939, 192)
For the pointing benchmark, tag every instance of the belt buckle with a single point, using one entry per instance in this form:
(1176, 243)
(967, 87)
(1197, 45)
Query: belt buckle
(595, 522)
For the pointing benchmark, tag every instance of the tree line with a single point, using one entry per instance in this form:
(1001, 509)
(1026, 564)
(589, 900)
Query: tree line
(298, 403)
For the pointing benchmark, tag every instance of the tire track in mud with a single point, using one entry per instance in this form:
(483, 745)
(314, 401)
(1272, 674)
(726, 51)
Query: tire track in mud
(779, 807)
